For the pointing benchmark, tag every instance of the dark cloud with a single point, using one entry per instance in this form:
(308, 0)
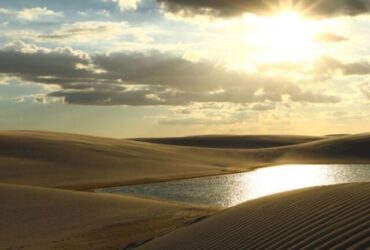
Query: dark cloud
(322, 66)
(62, 66)
(146, 79)
(227, 8)
(329, 65)
(57, 64)
(313, 97)
(166, 70)
(107, 97)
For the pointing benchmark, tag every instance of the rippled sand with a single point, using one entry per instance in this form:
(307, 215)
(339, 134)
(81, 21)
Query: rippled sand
(333, 217)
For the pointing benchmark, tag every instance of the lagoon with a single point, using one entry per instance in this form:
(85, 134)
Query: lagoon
(232, 189)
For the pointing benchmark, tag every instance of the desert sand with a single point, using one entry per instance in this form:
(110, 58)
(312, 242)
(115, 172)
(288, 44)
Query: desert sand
(41, 174)
(44, 218)
(333, 217)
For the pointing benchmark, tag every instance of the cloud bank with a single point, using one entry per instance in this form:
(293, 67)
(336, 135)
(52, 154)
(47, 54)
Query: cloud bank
(151, 78)
(226, 8)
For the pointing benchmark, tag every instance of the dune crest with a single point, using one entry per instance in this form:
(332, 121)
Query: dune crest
(234, 141)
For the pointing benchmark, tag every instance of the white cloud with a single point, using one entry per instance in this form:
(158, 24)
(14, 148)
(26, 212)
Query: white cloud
(365, 90)
(127, 4)
(24, 47)
(95, 30)
(19, 99)
(263, 106)
(4, 24)
(183, 16)
(3, 80)
(37, 13)
(4, 11)
(104, 13)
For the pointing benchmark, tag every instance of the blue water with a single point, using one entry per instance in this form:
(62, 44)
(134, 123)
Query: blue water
(230, 190)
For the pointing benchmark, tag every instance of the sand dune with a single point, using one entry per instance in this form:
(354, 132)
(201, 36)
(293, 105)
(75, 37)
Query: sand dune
(234, 141)
(45, 218)
(74, 161)
(347, 148)
(41, 218)
(334, 217)
(82, 162)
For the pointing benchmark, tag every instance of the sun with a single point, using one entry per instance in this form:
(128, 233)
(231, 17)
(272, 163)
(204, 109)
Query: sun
(284, 37)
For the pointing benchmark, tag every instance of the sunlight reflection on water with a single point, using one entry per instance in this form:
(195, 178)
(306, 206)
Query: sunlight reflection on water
(230, 190)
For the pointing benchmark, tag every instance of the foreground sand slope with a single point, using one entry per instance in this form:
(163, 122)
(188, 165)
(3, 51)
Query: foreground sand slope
(82, 162)
(41, 218)
(333, 217)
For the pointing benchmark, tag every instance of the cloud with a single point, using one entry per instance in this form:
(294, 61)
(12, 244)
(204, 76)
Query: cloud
(208, 114)
(23, 47)
(365, 90)
(329, 37)
(4, 11)
(329, 65)
(322, 66)
(4, 24)
(4, 80)
(223, 8)
(19, 99)
(172, 80)
(263, 106)
(127, 4)
(314, 97)
(38, 13)
(32, 63)
(47, 99)
(150, 78)
(192, 121)
(94, 30)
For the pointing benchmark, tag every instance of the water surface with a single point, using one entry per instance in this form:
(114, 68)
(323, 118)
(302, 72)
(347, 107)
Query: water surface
(232, 189)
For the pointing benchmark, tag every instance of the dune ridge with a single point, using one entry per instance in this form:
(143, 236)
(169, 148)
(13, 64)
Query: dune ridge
(83, 162)
(234, 141)
(332, 217)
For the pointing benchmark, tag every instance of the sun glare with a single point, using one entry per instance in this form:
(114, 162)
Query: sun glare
(284, 37)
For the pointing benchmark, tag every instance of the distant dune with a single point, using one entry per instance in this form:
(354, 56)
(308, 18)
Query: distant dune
(343, 147)
(82, 162)
(42, 218)
(333, 217)
(233, 141)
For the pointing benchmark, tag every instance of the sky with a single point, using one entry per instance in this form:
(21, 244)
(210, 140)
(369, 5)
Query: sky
(148, 68)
